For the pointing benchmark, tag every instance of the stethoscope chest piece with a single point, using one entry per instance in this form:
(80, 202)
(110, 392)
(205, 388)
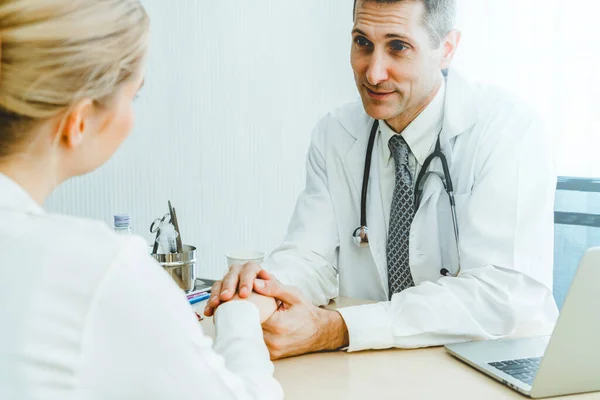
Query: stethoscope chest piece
(361, 236)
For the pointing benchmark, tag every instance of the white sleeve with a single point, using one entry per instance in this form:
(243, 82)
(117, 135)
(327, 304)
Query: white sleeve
(303, 259)
(142, 340)
(506, 246)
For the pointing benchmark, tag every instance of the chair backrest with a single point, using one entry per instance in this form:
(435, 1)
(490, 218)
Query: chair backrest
(576, 228)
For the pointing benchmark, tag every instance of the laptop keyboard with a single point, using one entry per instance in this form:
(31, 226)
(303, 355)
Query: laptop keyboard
(523, 369)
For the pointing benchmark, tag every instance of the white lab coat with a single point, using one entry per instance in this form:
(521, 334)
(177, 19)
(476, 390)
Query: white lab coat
(502, 167)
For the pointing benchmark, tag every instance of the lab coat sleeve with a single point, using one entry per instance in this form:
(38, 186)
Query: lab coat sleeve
(506, 246)
(143, 340)
(308, 256)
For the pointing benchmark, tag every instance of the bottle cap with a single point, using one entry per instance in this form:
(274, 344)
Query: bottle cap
(122, 220)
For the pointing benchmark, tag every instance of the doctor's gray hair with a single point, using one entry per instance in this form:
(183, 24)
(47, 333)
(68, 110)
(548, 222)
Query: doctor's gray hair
(55, 53)
(439, 17)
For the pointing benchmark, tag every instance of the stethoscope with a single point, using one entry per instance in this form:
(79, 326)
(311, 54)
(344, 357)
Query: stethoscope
(361, 234)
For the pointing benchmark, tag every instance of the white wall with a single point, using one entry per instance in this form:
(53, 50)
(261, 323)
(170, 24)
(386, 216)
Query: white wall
(547, 52)
(233, 89)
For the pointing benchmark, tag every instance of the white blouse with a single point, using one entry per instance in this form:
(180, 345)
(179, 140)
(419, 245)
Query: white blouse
(88, 314)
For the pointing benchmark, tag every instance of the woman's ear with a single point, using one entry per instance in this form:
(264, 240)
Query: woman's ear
(76, 124)
(450, 44)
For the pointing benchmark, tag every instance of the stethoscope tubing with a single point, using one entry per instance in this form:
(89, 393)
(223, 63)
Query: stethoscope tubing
(360, 234)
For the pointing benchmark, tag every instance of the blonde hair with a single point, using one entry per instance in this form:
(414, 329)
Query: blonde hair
(54, 53)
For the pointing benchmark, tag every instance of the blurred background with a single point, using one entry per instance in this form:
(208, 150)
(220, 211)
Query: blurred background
(234, 88)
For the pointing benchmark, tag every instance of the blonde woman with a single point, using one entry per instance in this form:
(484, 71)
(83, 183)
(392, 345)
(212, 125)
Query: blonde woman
(86, 314)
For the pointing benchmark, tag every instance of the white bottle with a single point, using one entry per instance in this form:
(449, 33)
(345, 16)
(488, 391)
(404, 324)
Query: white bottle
(122, 224)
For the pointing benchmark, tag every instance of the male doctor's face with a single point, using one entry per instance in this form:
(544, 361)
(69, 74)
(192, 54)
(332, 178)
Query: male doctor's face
(396, 65)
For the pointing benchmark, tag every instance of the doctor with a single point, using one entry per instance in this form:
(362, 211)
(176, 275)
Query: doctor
(468, 261)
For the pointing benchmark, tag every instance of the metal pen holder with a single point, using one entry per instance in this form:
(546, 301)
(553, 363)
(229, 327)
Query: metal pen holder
(180, 266)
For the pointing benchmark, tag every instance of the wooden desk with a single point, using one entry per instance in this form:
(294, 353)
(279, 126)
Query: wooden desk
(386, 374)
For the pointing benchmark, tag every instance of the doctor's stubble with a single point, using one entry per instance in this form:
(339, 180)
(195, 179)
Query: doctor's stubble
(397, 56)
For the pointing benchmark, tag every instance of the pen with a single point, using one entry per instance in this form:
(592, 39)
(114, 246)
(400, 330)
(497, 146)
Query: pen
(195, 294)
(199, 298)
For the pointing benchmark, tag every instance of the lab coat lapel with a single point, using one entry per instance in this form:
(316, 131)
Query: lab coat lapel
(459, 116)
(359, 126)
(376, 220)
(460, 111)
(355, 164)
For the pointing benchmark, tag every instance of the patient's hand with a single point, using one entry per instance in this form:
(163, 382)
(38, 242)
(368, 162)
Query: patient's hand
(238, 281)
(266, 305)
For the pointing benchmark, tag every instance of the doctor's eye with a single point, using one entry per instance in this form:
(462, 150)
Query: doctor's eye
(362, 41)
(398, 46)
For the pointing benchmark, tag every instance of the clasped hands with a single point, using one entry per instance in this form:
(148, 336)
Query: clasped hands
(291, 324)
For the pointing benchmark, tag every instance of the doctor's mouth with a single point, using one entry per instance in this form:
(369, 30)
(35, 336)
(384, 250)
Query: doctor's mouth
(379, 95)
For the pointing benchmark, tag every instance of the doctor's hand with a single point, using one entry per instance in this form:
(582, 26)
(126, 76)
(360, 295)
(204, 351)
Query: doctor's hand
(298, 327)
(238, 281)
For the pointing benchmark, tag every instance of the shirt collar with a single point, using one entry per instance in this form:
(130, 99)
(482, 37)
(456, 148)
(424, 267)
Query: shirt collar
(422, 132)
(14, 197)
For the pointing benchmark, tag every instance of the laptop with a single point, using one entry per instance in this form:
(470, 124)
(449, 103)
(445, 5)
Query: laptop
(567, 362)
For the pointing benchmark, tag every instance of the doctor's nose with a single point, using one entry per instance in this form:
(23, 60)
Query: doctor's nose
(377, 71)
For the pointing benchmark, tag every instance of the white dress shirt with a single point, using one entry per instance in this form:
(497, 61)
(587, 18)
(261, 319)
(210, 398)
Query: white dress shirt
(88, 314)
(420, 135)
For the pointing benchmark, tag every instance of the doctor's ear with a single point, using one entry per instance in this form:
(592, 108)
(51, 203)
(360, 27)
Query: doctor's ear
(449, 46)
(75, 124)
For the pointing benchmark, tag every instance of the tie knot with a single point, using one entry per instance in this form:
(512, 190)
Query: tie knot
(399, 149)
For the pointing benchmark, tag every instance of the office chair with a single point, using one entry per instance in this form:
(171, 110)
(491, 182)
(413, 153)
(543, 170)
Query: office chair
(576, 228)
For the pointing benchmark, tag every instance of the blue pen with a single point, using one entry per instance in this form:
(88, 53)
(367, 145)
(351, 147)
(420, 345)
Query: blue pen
(198, 299)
